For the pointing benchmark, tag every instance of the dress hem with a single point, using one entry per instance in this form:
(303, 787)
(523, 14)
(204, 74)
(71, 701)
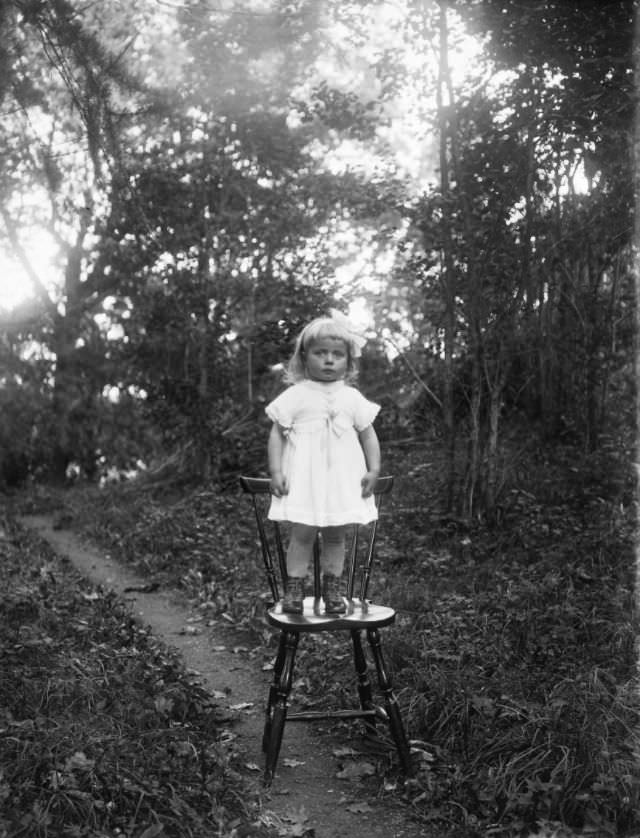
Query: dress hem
(342, 521)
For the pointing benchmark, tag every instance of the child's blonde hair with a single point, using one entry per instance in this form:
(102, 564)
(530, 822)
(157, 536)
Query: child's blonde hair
(335, 326)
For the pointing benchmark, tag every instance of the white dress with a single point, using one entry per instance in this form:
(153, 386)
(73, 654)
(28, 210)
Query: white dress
(323, 460)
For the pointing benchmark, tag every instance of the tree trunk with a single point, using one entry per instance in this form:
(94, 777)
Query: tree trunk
(448, 271)
(475, 437)
(496, 384)
(68, 390)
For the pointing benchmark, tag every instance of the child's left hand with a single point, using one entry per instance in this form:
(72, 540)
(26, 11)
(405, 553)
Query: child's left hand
(368, 483)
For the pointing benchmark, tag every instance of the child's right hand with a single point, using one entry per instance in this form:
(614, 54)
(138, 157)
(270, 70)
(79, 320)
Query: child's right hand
(279, 486)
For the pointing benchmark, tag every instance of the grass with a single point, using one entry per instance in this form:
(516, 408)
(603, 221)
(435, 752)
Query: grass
(514, 649)
(102, 732)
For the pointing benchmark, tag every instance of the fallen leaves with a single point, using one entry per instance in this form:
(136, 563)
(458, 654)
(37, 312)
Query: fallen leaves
(362, 808)
(243, 705)
(190, 631)
(299, 824)
(356, 771)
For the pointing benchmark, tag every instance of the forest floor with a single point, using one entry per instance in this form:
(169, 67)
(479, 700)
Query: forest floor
(513, 655)
(308, 798)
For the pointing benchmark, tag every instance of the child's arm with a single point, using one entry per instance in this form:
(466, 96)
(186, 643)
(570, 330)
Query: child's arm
(371, 447)
(275, 448)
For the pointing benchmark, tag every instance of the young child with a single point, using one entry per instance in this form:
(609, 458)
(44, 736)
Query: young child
(324, 455)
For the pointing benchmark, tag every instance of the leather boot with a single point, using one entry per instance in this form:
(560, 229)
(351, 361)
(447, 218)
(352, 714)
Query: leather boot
(294, 596)
(333, 601)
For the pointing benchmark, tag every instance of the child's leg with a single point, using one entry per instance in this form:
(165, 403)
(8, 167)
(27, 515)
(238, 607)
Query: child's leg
(332, 562)
(299, 550)
(332, 555)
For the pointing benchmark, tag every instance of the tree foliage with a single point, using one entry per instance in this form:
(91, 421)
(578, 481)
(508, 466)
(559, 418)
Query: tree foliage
(208, 177)
(532, 276)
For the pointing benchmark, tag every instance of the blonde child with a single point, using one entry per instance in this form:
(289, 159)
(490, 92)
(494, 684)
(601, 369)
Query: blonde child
(324, 455)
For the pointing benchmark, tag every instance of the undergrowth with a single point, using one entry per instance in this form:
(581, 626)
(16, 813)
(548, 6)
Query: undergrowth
(513, 653)
(102, 732)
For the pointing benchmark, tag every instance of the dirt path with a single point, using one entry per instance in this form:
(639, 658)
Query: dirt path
(306, 793)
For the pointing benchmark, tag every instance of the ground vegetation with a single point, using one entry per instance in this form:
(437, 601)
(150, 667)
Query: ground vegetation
(514, 650)
(104, 732)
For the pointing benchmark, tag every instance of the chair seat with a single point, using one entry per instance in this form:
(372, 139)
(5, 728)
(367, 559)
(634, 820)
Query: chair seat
(359, 615)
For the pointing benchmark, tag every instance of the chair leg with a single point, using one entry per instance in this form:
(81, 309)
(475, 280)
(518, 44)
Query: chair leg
(391, 703)
(273, 691)
(364, 684)
(278, 705)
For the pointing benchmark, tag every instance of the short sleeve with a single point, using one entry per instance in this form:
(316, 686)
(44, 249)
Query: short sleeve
(281, 409)
(365, 411)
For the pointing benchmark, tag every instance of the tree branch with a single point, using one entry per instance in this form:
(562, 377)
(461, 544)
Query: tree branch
(415, 373)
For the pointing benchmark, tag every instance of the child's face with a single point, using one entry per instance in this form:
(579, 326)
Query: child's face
(326, 359)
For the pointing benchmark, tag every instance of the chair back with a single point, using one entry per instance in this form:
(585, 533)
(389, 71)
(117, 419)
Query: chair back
(360, 550)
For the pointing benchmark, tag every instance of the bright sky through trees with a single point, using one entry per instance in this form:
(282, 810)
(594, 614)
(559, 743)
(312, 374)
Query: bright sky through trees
(15, 285)
(406, 127)
(348, 66)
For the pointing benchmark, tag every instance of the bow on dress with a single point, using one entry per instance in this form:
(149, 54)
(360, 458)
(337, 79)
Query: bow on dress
(338, 422)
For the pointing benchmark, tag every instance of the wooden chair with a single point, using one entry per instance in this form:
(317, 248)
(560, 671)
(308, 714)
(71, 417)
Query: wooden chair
(361, 616)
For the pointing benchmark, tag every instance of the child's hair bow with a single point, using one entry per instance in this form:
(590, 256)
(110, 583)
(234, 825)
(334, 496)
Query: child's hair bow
(343, 321)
